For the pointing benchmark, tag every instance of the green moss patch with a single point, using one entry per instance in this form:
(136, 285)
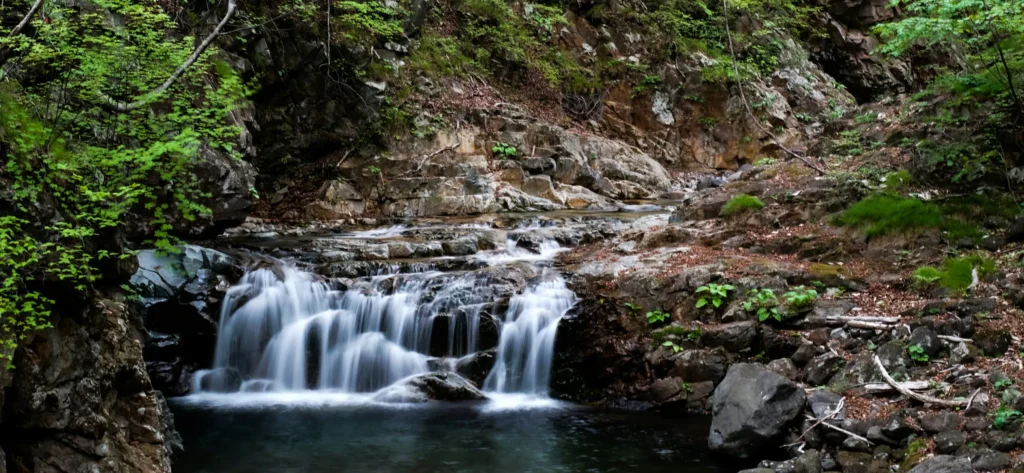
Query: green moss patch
(742, 203)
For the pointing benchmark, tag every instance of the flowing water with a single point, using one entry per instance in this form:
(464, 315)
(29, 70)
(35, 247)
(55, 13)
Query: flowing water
(300, 356)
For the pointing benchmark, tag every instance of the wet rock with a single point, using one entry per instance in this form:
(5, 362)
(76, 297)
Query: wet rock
(808, 462)
(438, 386)
(664, 389)
(476, 367)
(1015, 233)
(943, 464)
(751, 409)
(852, 444)
(821, 369)
(1001, 441)
(219, 380)
(784, 367)
(927, 339)
(989, 460)
(823, 403)
(694, 366)
(993, 342)
(858, 462)
(735, 337)
(897, 428)
(949, 441)
(776, 344)
(805, 354)
(939, 422)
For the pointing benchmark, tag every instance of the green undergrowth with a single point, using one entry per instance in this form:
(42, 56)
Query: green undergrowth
(956, 274)
(692, 334)
(741, 204)
(959, 218)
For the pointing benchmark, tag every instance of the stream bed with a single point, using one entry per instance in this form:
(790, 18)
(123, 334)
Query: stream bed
(453, 438)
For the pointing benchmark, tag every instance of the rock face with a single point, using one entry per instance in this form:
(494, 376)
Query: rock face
(80, 399)
(944, 464)
(181, 295)
(751, 409)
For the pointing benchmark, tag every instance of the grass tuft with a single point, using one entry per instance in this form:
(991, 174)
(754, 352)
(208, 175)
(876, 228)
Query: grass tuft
(742, 203)
(887, 214)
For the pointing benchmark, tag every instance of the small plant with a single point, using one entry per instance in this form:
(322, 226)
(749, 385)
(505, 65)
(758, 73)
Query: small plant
(804, 117)
(741, 203)
(715, 294)
(926, 276)
(686, 387)
(866, 117)
(1003, 417)
(669, 343)
(800, 298)
(503, 150)
(896, 181)
(764, 302)
(764, 162)
(917, 353)
(656, 316)
(1002, 384)
(633, 307)
(373, 170)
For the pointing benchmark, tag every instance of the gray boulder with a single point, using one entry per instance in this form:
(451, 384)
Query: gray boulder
(943, 464)
(751, 409)
(438, 386)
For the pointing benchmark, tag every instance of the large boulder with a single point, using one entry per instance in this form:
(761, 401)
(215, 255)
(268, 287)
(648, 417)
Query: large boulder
(437, 386)
(944, 464)
(751, 410)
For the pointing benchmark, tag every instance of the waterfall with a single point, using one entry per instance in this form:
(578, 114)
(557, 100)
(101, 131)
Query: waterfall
(289, 330)
(527, 344)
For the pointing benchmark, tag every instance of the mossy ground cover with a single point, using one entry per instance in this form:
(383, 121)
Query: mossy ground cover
(960, 218)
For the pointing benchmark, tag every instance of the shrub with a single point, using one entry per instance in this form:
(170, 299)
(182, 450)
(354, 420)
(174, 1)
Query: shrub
(800, 298)
(715, 294)
(917, 353)
(926, 276)
(656, 316)
(504, 150)
(887, 214)
(741, 203)
(957, 274)
(764, 303)
(896, 181)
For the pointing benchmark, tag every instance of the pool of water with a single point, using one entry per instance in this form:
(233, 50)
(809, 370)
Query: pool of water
(449, 438)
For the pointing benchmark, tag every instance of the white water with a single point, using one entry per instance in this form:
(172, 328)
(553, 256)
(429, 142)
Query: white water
(291, 337)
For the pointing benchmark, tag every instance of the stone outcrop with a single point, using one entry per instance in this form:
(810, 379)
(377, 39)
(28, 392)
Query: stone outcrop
(80, 399)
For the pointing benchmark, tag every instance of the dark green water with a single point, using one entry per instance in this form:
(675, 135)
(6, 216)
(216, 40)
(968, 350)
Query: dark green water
(437, 438)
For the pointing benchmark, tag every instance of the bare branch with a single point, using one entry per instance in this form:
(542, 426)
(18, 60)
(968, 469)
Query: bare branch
(912, 394)
(148, 97)
(28, 16)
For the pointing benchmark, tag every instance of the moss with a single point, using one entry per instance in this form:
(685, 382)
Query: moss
(956, 274)
(823, 271)
(896, 181)
(741, 203)
(886, 214)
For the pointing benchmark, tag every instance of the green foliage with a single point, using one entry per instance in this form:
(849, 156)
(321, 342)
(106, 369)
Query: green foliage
(650, 83)
(926, 276)
(887, 214)
(1002, 384)
(764, 303)
(957, 274)
(715, 294)
(657, 316)
(691, 334)
(800, 298)
(764, 162)
(669, 343)
(366, 22)
(504, 150)
(741, 203)
(633, 307)
(917, 353)
(374, 170)
(1004, 417)
(866, 117)
(63, 144)
(897, 180)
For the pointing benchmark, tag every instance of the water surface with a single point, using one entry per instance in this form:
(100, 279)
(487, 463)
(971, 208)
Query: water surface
(460, 438)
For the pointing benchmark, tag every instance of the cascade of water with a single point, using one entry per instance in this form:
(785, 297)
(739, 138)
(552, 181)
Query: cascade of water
(527, 343)
(289, 330)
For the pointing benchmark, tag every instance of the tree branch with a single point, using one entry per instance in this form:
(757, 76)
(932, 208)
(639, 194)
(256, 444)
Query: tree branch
(28, 16)
(912, 394)
(743, 96)
(146, 98)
